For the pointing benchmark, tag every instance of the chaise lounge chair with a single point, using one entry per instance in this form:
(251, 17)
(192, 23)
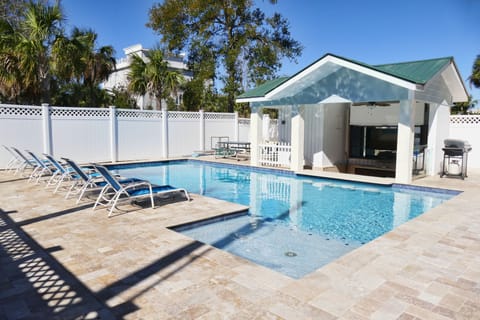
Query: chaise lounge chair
(115, 191)
(61, 174)
(88, 179)
(23, 162)
(41, 168)
(15, 161)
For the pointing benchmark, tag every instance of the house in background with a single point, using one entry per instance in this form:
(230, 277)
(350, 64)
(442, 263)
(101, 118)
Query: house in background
(119, 78)
(347, 116)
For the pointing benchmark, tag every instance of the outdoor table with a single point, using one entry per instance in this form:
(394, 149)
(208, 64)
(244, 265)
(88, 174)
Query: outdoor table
(235, 145)
(233, 149)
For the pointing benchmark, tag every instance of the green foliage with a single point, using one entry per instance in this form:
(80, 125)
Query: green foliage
(475, 77)
(121, 98)
(226, 35)
(463, 107)
(153, 76)
(12, 10)
(79, 95)
(25, 48)
(197, 95)
(39, 63)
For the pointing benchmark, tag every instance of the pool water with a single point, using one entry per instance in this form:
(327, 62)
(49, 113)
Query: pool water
(295, 224)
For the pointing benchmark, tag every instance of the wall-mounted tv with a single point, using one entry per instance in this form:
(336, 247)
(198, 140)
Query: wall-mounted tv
(381, 138)
(373, 142)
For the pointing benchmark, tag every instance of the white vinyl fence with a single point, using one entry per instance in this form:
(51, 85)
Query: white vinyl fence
(468, 128)
(111, 134)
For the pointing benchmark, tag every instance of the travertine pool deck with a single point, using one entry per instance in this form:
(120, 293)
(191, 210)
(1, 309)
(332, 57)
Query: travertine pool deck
(62, 260)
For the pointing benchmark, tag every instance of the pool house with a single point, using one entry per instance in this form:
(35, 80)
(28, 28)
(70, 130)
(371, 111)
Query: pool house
(342, 115)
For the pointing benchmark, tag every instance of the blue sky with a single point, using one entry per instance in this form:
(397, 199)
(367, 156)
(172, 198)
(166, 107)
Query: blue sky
(371, 31)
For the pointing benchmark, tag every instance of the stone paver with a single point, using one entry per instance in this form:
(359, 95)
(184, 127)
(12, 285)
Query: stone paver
(65, 261)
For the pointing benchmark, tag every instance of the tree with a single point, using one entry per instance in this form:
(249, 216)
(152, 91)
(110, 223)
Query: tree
(233, 36)
(121, 98)
(25, 51)
(475, 77)
(463, 107)
(39, 32)
(153, 76)
(78, 58)
(12, 10)
(39, 63)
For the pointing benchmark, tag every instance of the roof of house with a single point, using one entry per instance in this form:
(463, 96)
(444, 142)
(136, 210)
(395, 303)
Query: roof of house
(417, 72)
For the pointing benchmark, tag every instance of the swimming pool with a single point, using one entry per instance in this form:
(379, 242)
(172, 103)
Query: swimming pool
(295, 224)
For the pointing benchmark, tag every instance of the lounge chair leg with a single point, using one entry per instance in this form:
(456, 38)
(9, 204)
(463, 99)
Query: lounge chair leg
(114, 199)
(84, 188)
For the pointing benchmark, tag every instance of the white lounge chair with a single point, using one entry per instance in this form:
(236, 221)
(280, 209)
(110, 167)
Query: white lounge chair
(114, 191)
(88, 179)
(41, 168)
(23, 162)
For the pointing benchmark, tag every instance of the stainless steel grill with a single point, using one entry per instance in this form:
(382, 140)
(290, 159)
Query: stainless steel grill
(455, 158)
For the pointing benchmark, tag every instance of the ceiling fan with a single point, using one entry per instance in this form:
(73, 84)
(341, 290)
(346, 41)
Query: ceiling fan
(374, 103)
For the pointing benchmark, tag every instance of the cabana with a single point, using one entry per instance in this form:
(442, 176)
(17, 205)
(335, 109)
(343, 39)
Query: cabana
(343, 115)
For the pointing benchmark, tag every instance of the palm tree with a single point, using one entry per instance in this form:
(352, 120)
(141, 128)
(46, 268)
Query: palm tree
(36, 36)
(98, 62)
(463, 107)
(153, 76)
(78, 60)
(475, 77)
(10, 77)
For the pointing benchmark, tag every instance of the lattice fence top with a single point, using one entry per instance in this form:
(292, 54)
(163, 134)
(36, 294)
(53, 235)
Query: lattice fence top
(472, 120)
(139, 114)
(15, 111)
(219, 116)
(183, 115)
(73, 113)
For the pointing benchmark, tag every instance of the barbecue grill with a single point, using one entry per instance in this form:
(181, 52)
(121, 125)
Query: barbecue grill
(455, 158)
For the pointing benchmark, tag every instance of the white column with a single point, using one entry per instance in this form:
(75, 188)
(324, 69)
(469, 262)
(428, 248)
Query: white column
(298, 138)
(255, 135)
(405, 139)
(236, 134)
(202, 130)
(113, 135)
(438, 131)
(47, 129)
(164, 132)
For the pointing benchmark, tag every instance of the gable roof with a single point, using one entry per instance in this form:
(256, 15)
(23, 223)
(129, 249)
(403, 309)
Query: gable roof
(415, 72)
(264, 88)
(420, 71)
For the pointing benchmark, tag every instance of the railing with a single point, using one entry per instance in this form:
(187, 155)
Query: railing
(275, 154)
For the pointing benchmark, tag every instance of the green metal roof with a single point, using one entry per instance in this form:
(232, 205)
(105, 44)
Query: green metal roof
(418, 72)
(263, 89)
(415, 71)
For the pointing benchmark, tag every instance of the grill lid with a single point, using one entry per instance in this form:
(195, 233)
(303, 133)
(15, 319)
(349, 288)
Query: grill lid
(459, 144)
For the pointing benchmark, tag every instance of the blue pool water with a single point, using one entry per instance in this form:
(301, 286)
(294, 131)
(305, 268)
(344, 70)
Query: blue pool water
(295, 224)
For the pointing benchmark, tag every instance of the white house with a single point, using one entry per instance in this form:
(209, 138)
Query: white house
(344, 115)
(118, 79)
